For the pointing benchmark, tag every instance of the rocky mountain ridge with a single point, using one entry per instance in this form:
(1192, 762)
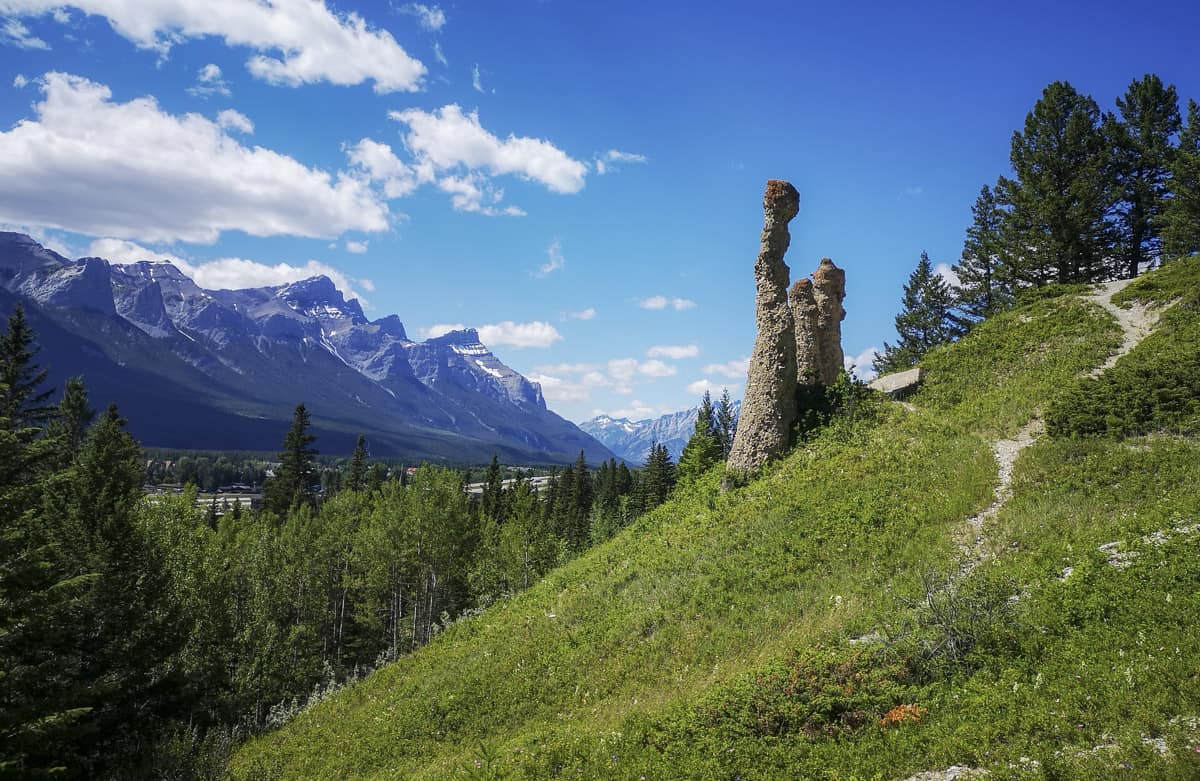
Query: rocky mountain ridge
(223, 368)
(631, 439)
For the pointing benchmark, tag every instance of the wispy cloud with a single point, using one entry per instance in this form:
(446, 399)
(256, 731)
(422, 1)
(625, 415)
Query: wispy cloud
(14, 33)
(356, 247)
(734, 369)
(209, 82)
(665, 302)
(673, 351)
(609, 161)
(699, 387)
(476, 79)
(431, 18)
(582, 314)
(911, 192)
(554, 260)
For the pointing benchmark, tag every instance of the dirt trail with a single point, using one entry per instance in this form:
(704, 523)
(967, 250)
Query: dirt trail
(1136, 323)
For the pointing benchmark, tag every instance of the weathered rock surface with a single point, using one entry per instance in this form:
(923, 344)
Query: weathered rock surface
(805, 316)
(829, 290)
(897, 383)
(769, 404)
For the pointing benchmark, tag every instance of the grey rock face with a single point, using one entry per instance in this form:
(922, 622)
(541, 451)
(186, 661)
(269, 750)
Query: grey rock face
(829, 290)
(806, 317)
(769, 405)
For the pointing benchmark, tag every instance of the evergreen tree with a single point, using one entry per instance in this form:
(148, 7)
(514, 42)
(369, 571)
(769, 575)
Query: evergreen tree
(357, 479)
(491, 502)
(926, 320)
(1142, 153)
(1181, 217)
(659, 477)
(22, 403)
(986, 283)
(292, 484)
(726, 423)
(1059, 203)
(69, 427)
(703, 449)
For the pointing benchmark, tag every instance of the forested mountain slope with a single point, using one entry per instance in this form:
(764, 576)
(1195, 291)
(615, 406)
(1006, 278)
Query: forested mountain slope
(840, 616)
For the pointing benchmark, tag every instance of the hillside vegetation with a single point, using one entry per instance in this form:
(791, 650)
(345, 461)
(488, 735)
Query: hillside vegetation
(819, 623)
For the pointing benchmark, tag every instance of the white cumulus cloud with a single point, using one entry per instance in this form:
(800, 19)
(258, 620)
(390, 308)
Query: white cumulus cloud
(295, 41)
(448, 139)
(381, 166)
(673, 351)
(209, 82)
(235, 120)
(19, 81)
(946, 272)
(535, 334)
(732, 369)
(714, 389)
(137, 172)
(664, 302)
(356, 247)
(860, 365)
(227, 273)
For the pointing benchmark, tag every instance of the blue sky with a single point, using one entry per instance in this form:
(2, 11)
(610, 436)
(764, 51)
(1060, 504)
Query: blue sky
(581, 180)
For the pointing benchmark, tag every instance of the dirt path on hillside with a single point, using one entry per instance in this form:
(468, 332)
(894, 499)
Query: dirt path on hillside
(1136, 324)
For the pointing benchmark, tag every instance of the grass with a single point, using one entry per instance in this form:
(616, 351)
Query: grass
(709, 640)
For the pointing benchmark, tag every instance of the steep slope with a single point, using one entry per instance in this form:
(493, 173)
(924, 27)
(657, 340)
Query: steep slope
(815, 624)
(632, 439)
(223, 368)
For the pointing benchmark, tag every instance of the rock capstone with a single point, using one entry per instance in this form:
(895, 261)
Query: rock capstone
(769, 404)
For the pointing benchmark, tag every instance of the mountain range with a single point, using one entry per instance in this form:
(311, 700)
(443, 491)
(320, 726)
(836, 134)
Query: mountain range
(223, 369)
(632, 439)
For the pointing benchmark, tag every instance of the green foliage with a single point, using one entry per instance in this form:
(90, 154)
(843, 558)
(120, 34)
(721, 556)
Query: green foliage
(704, 449)
(1181, 217)
(986, 277)
(1060, 199)
(1142, 152)
(293, 482)
(926, 320)
(1156, 388)
(1014, 362)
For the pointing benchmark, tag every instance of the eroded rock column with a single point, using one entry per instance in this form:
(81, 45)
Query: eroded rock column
(829, 290)
(805, 317)
(769, 404)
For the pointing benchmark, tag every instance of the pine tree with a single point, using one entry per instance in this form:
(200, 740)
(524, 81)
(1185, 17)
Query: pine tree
(986, 281)
(703, 449)
(22, 403)
(1181, 217)
(926, 320)
(1142, 154)
(69, 427)
(658, 479)
(1060, 201)
(726, 423)
(491, 501)
(291, 487)
(357, 479)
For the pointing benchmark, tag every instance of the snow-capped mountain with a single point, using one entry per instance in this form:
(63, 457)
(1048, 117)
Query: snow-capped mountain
(632, 439)
(224, 368)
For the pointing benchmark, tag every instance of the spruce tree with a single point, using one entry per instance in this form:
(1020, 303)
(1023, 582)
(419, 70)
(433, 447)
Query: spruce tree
(1059, 203)
(986, 281)
(1181, 217)
(291, 487)
(70, 425)
(1142, 153)
(22, 402)
(703, 449)
(357, 479)
(492, 499)
(926, 320)
(726, 423)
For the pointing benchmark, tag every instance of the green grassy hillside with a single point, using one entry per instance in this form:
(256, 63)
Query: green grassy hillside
(713, 639)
